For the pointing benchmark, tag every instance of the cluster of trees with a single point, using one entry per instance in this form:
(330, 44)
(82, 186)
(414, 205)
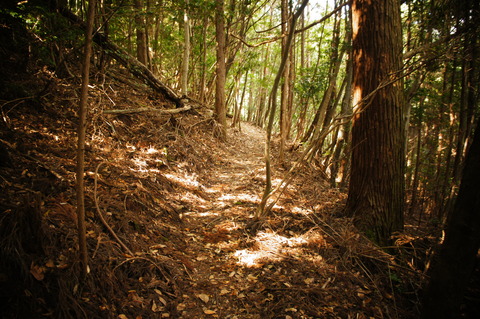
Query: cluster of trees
(383, 96)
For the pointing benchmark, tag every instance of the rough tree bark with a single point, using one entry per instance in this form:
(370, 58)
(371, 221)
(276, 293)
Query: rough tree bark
(220, 109)
(377, 186)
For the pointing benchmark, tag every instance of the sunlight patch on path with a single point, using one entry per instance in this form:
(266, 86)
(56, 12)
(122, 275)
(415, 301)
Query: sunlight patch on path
(270, 247)
(249, 198)
(185, 181)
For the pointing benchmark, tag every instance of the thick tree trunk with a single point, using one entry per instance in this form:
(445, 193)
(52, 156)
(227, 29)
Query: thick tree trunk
(450, 276)
(377, 186)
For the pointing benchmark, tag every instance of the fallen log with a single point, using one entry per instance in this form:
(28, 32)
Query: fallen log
(127, 60)
(148, 109)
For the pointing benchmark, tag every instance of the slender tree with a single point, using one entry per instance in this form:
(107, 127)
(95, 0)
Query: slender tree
(141, 35)
(376, 191)
(273, 105)
(285, 106)
(220, 108)
(82, 240)
(186, 49)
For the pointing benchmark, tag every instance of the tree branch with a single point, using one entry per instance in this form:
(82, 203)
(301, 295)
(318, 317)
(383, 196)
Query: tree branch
(148, 109)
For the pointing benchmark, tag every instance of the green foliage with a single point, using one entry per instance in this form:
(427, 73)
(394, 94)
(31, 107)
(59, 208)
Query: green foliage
(312, 81)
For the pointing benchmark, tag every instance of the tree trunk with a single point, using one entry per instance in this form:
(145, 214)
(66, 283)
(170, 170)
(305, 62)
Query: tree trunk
(272, 100)
(262, 108)
(377, 186)
(148, 23)
(82, 240)
(446, 161)
(418, 154)
(335, 63)
(339, 162)
(141, 35)
(204, 61)
(220, 108)
(186, 50)
(302, 103)
(285, 87)
(450, 276)
(157, 45)
(238, 108)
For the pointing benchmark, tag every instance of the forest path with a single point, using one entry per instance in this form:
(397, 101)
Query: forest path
(215, 231)
(291, 267)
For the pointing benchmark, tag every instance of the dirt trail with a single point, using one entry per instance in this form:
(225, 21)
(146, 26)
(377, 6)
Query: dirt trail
(219, 283)
(296, 266)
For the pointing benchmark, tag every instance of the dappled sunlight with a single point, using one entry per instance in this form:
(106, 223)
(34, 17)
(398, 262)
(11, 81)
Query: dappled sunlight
(301, 210)
(151, 150)
(276, 181)
(239, 198)
(143, 166)
(272, 247)
(187, 181)
(192, 198)
(146, 160)
(202, 214)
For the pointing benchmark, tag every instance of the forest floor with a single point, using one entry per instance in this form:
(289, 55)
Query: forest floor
(181, 204)
(294, 266)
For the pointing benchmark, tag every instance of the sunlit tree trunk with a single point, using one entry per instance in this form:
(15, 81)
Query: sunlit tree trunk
(285, 91)
(186, 49)
(377, 186)
(251, 104)
(220, 108)
(302, 103)
(156, 45)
